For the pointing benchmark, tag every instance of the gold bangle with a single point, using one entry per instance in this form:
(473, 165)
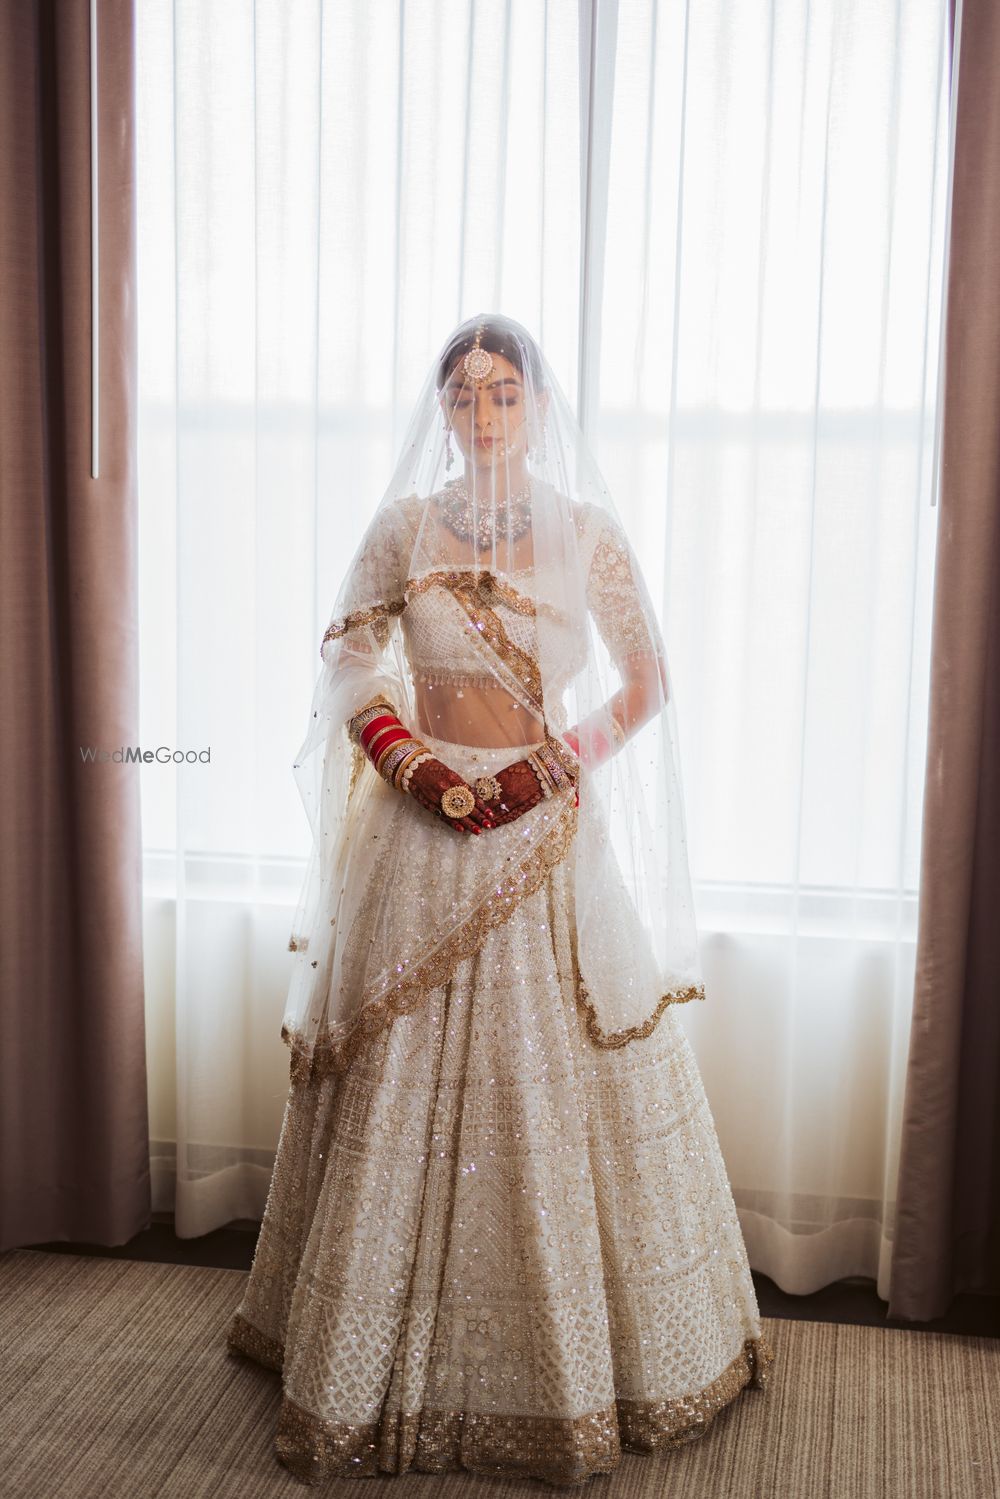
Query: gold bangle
(541, 774)
(379, 760)
(397, 776)
(393, 758)
(553, 765)
(457, 801)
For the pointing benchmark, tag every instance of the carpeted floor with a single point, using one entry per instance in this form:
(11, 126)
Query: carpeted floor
(115, 1384)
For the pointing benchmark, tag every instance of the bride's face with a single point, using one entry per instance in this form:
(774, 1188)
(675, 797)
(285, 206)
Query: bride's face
(487, 418)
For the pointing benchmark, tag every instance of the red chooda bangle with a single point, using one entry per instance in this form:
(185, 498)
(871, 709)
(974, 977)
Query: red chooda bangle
(385, 721)
(379, 743)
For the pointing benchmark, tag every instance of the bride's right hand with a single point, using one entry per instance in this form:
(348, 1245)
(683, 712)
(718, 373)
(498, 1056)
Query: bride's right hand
(427, 784)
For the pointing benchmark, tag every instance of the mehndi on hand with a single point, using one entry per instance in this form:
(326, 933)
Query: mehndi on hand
(519, 791)
(430, 785)
(542, 773)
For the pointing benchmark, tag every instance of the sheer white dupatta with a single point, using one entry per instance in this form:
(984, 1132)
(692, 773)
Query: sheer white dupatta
(516, 580)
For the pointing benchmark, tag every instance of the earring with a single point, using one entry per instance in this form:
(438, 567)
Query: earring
(450, 458)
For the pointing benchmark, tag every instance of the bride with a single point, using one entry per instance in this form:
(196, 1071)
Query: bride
(499, 1234)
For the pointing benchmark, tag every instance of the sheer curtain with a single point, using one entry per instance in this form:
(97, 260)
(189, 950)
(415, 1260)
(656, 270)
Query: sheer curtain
(725, 225)
(772, 295)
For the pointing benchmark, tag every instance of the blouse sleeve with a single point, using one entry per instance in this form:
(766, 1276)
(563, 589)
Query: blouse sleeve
(373, 594)
(359, 667)
(617, 595)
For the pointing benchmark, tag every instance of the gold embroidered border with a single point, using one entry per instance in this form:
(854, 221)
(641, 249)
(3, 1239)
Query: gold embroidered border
(491, 629)
(610, 1040)
(556, 1450)
(484, 583)
(490, 587)
(410, 991)
(375, 613)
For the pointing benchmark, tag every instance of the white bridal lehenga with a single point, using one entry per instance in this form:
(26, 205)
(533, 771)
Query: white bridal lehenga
(499, 1234)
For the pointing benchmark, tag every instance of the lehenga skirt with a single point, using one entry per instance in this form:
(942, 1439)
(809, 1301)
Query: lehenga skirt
(490, 1244)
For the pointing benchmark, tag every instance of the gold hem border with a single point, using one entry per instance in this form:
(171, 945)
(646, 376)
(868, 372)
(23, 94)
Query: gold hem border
(611, 1040)
(244, 1339)
(563, 1451)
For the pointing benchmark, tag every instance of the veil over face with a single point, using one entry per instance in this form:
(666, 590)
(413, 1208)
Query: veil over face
(494, 601)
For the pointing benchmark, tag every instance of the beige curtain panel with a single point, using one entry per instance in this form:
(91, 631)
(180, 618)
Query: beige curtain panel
(948, 1216)
(73, 1112)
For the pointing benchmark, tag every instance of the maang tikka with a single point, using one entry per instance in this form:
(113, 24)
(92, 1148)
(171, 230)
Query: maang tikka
(478, 363)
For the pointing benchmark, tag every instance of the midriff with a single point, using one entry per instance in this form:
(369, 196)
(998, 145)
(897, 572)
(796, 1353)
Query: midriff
(487, 716)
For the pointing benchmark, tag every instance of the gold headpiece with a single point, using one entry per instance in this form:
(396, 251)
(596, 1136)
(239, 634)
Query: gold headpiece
(478, 363)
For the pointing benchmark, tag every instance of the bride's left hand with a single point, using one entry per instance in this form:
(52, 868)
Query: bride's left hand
(519, 792)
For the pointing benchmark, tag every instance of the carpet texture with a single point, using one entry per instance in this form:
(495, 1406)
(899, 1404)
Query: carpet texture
(115, 1381)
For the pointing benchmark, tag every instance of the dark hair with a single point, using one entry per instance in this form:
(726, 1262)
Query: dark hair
(499, 336)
